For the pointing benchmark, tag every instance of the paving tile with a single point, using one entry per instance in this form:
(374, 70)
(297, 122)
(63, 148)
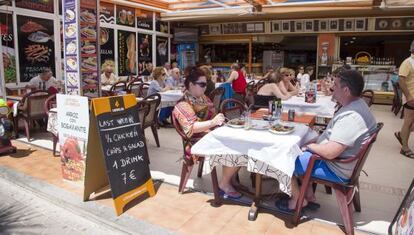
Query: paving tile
(260, 225)
(279, 227)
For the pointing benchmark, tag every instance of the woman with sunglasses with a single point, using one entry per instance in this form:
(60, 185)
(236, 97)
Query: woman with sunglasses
(158, 85)
(285, 84)
(196, 116)
(270, 91)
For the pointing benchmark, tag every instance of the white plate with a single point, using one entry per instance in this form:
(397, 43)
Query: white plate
(234, 126)
(259, 125)
(281, 132)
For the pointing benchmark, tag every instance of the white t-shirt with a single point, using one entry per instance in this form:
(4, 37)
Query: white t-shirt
(304, 80)
(37, 82)
(350, 126)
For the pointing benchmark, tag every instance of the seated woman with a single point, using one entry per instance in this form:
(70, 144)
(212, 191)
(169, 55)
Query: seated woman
(210, 84)
(108, 77)
(158, 85)
(270, 91)
(285, 84)
(196, 115)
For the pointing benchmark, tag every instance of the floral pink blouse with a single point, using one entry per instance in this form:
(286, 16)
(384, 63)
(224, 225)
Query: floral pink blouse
(190, 110)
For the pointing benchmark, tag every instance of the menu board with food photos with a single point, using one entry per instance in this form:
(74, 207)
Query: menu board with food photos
(89, 48)
(7, 42)
(117, 151)
(144, 19)
(127, 53)
(71, 47)
(160, 26)
(107, 47)
(73, 128)
(37, 49)
(125, 16)
(162, 51)
(106, 13)
(144, 48)
(37, 5)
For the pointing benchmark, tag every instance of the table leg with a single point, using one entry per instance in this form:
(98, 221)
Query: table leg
(217, 199)
(254, 209)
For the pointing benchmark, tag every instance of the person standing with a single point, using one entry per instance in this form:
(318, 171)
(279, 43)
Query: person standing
(406, 82)
(238, 81)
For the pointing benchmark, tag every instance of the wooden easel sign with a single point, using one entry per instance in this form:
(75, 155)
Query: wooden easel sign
(117, 151)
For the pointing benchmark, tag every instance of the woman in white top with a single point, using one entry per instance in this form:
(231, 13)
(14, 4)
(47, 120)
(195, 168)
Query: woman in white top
(301, 71)
(304, 81)
(285, 84)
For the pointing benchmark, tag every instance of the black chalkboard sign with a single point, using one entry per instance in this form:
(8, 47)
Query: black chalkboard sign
(123, 145)
(115, 126)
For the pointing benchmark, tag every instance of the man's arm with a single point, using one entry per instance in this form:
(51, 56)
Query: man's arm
(404, 89)
(329, 150)
(233, 76)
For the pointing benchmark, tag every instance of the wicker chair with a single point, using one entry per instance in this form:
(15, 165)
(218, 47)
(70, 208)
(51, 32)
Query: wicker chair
(215, 97)
(134, 87)
(232, 108)
(31, 108)
(118, 87)
(151, 120)
(143, 90)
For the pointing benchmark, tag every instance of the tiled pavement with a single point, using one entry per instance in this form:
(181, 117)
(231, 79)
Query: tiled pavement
(389, 174)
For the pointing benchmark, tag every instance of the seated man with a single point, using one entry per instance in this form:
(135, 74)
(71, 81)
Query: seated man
(44, 81)
(148, 69)
(343, 137)
(174, 80)
(108, 77)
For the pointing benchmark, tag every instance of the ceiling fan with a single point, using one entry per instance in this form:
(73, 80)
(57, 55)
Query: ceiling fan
(255, 10)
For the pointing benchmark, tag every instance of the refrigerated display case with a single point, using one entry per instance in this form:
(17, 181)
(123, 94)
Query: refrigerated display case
(378, 79)
(186, 55)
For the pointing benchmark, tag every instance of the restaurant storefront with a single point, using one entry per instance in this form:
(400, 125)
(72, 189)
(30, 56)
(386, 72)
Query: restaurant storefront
(32, 39)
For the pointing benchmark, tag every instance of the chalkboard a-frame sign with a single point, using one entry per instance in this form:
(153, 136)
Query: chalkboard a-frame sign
(117, 151)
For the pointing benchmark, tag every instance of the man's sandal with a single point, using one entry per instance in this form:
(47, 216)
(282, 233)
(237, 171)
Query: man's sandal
(398, 136)
(407, 153)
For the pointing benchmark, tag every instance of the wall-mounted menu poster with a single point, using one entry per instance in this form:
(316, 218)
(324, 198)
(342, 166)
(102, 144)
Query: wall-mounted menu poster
(144, 48)
(160, 26)
(7, 41)
(162, 51)
(144, 19)
(107, 47)
(127, 53)
(125, 16)
(89, 48)
(37, 5)
(36, 46)
(106, 13)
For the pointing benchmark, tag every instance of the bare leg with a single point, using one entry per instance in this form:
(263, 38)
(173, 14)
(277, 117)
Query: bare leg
(406, 128)
(295, 194)
(225, 182)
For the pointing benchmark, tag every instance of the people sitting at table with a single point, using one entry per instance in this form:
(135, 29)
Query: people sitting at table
(337, 141)
(196, 115)
(147, 70)
(158, 85)
(174, 80)
(238, 81)
(270, 91)
(285, 84)
(300, 72)
(305, 79)
(45, 81)
(108, 77)
(220, 77)
(210, 84)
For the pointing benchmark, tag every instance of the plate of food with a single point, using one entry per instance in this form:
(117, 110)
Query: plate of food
(282, 129)
(235, 123)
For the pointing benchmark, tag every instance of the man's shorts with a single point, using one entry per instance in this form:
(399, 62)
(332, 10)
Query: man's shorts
(320, 169)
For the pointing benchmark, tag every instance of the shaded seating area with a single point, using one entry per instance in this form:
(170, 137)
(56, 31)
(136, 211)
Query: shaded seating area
(151, 119)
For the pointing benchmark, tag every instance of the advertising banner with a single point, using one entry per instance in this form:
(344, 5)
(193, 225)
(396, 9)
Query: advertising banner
(73, 129)
(162, 51)
(126, 53)
(144, 19)
(7, 41)
(160, 26)
(145, 50)
(106, 13)
(36, 46)
(107, 47)
(125, 16)
(37, 5)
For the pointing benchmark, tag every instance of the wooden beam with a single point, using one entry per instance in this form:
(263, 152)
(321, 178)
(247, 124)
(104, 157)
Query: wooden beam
(250, 54)
(256, 2)
(151, 3)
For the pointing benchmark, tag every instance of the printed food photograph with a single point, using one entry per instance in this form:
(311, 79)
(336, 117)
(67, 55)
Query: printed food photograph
(104, 36)
(236, 122)
(37, 53)
(87, 17)
(88, 32)
(88, 48)
(69, 15)
(89, 64)
(73, 165)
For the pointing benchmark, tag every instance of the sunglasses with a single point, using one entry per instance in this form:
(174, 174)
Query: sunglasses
(201, 84)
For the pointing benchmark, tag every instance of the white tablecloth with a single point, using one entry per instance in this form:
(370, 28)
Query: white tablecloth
(259, 150)
(52, 121)
(170, 98)
(324, 106)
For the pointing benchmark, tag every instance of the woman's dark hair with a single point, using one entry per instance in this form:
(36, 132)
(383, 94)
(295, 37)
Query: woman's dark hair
(308, 69)
(192, 73)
